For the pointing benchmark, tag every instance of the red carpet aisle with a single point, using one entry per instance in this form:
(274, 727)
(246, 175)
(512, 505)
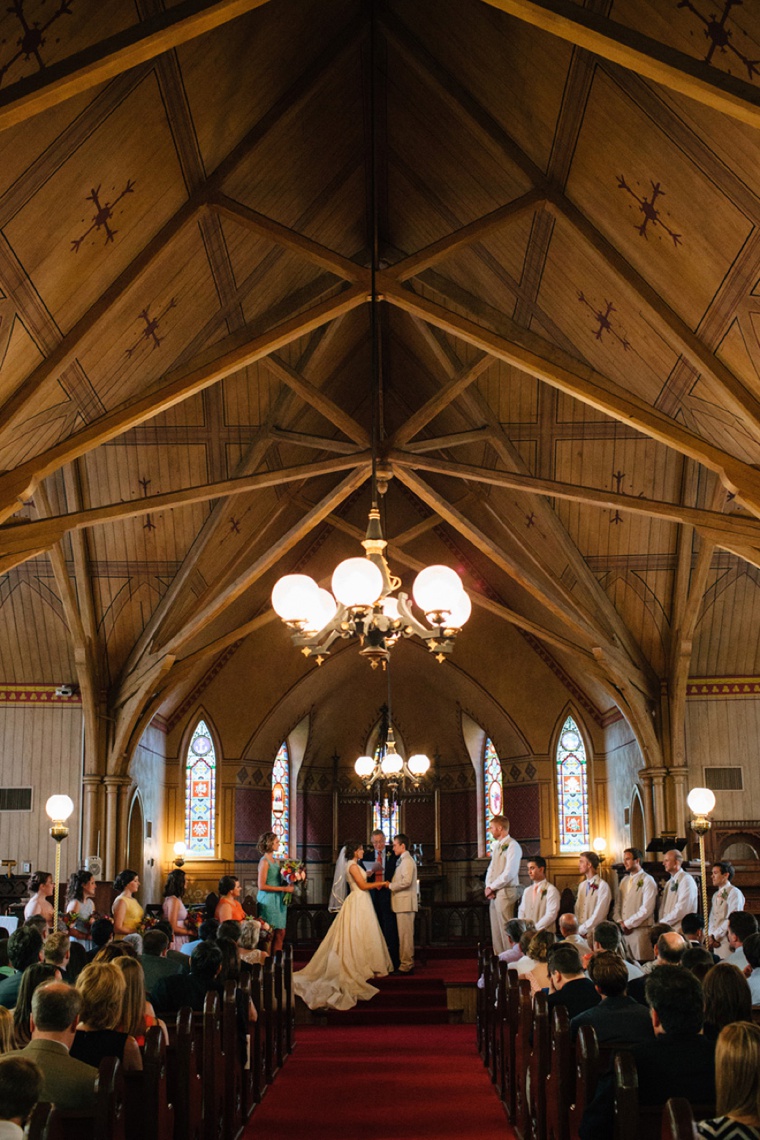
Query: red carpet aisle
(372, 1082)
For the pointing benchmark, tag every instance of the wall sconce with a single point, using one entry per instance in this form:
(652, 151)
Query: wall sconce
(58, 809)
(180, 851)
(701, 801)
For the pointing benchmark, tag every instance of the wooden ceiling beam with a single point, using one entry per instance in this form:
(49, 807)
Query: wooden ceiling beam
(129, 48)
(298, 243)
(637, 52)
(538, 357)
(440, 400)
(709, 522)
(220, 360)
(475, 231)
(316, 398)
(443, 442)
(314, 442)
(15, 537)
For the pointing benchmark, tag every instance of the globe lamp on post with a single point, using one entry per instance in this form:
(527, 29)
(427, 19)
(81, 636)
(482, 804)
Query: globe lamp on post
(58, 809)
(180, 851)
(701, 802)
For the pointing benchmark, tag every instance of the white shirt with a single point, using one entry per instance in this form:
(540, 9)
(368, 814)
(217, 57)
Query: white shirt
(540, 905)
(592, 904)
(679, 897)
(504, 868)
(11, 1131)
(636, 900)
(724, 902)
(754, 986)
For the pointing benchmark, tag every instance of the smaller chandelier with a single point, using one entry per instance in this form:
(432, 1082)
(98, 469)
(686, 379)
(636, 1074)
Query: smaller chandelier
(390, 767)
(366, 603)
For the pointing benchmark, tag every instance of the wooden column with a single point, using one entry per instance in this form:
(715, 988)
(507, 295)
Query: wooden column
(111, 829)
(657, 776)
(91, 814)
(680, 777)
(646, 780)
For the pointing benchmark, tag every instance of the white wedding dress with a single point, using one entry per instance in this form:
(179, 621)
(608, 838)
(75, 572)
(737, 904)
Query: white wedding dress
(352, 951)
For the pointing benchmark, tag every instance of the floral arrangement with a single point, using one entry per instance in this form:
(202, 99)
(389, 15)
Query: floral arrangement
(294, 873)
(504, 847)
(640, 884)
(724, 893)
(594, 885)
(68, 918)
(146, 923)
(193, 921)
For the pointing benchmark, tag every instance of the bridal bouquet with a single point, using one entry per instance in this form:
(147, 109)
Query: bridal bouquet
(293, 872)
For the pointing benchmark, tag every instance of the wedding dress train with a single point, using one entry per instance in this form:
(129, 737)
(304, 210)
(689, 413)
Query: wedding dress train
(352, 951)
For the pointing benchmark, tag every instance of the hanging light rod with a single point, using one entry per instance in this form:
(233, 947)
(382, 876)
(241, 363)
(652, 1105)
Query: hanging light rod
(366, 603)
(392, 768)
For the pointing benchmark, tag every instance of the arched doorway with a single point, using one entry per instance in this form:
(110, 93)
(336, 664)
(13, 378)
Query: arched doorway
(136, 836)
(638, 826)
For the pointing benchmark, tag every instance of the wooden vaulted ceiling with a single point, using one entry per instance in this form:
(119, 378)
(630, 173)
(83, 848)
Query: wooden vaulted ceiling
(568, 208)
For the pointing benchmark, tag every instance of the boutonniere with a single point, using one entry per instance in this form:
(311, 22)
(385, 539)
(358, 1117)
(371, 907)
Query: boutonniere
(639, 884)
(504, 847)
(544, 892)
(594, 886)
(674, 886)
(724, 893)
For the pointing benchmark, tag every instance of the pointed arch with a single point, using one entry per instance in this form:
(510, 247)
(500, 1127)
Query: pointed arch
(201, 760)
(280, 808)
(493, 783)
(571, 756)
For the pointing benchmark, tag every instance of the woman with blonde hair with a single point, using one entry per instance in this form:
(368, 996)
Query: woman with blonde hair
(101, 986)
(538, 951)
(7, 1040)
(737, 1085)
(272, 890)
(138, 1015)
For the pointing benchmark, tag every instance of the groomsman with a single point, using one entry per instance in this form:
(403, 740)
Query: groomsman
(679, 895)
(594, 897)
(540, 901)
(502, 878)
(634, 906)
(727, 898)
(403, 887)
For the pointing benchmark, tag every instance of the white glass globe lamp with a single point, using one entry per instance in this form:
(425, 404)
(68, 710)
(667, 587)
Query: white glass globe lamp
(418, 765)
(599, 845)
(460, 611)
(364, 767)
(391, 764)
(59, 808)
(436, 589)
(701, 801)
(322, 611)
(390, 608)
(295, 597)
(357, 582)
(180, 849)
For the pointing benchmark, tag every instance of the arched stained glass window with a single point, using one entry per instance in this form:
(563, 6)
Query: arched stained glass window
(385, 818)
(200, 794)
(493, 784)
(281, 799)
(572, 789)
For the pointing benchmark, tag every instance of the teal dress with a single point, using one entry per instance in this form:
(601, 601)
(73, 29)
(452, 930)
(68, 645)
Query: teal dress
(271, 904)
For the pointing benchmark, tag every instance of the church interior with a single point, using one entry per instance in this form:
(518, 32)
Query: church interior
(492, 264)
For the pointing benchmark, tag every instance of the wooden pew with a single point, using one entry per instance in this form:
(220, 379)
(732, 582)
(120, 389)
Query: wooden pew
(586, 1077)
(257, 1071)
(149, 1115)
(185, 1085)
(492, 992)
(538, 1068)
(107, 1121)
(560, 1082)
(212, 1069)
(678, 1120)
(270, 1052)
(497, 1036)
(509, 980)
(280, 1010)
(233, 1064)
(522, 1057)
(641, 1122)
(480, 1005)
(290, 1005)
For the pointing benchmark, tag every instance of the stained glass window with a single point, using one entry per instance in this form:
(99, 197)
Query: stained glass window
(493, 785)
(281, 799)
(572, 789)
(385, 818)
(200, 794)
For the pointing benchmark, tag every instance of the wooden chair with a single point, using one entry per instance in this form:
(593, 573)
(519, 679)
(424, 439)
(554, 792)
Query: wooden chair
(185, 1085)
(538, 1068)
(678, 1120)
(586, 1077)
(522, 1057)
(149, 1113)
(560, 1082)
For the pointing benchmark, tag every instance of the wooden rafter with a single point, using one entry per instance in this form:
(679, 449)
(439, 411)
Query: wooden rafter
(317, 399)
(313, 442)
(440, 400)
(640, 53)
(443, 442)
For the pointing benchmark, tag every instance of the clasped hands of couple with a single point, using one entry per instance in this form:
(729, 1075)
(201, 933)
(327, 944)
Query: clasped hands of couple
(379, 886)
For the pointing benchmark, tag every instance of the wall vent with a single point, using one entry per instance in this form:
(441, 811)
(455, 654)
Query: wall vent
(15, 799)
(724, 779)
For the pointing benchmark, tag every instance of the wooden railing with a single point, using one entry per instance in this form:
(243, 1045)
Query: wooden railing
(440, 924)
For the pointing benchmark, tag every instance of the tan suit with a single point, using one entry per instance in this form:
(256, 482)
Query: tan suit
(404, 903)
(66, 1082)
(634, 908)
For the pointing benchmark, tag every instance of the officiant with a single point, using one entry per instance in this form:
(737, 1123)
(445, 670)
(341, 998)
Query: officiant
(380, 863)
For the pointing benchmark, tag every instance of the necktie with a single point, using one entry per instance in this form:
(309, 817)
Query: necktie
(379, 874)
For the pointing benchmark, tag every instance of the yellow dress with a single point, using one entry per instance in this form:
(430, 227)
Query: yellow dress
(133, 913)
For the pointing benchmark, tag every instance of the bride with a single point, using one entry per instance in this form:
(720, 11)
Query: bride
(354, 948)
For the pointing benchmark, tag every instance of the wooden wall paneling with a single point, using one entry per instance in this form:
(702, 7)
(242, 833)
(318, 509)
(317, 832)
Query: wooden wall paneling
(723, 733)
(731, 605)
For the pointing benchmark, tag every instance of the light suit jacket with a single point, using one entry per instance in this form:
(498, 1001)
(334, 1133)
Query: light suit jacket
(679, 897)
(724, 902)
(404, 885)
(504, 868)
(592, 904)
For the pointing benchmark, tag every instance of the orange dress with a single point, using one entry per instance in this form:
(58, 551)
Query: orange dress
(238, 914)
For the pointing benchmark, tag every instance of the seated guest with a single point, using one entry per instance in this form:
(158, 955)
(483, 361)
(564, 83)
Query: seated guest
(101, 933)
(751, 947)
(538, 953)
(182, 961)
(727, 998)
(20, 1089)
(568, 984)
(669, 951)
(617, 1018)
(56, 951)
(134, 940)
(679, 1061)
(116, 948)
(39, 923)
(32, 977)
(101, 988)
(607, 936)
(171, 993)
(206, 930)
(699, 961)
(513, 932)
(524, 963)
(66, 1083)
(726, 899)
(540, 901)
(737, 1085)
(693, 930)
(24, 949)
(568, 930)
(740, 925)
(654, 934)
(229, 929)
(249, 943)
(7, 1035)
(230, 971)
(137, 1014)
(153, 959)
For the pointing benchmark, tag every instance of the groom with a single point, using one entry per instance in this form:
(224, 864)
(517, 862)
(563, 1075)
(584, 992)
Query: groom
(403, 887)
(382, 870)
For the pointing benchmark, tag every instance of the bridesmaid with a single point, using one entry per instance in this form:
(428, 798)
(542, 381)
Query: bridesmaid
(175, 911)
(229, 906)
(126, 910)
(80, 900)
(40, 886)
(271, 896)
